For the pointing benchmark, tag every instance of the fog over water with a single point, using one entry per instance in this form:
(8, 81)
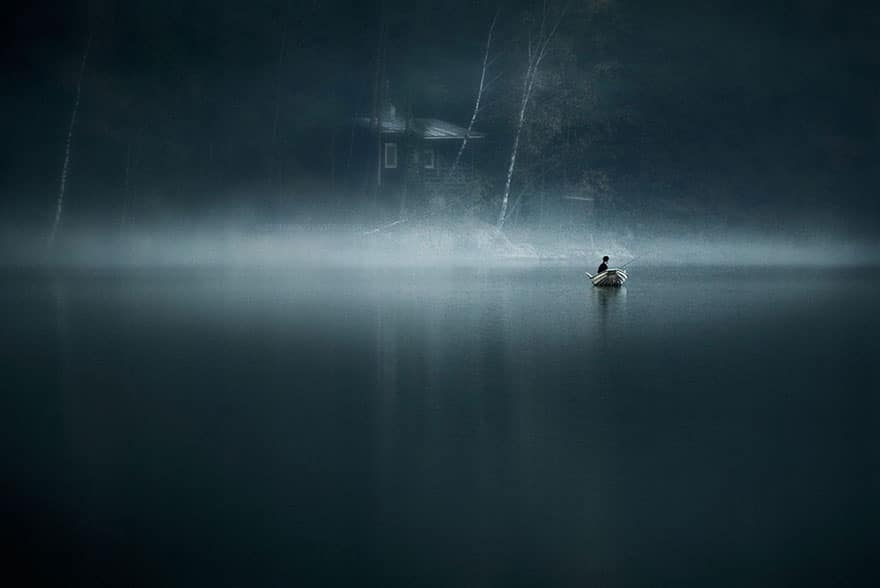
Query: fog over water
(293, 293)
(435, 242)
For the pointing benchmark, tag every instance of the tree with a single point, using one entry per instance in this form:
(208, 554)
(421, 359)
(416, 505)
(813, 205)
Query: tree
(480, 89)
(537, 49)
(65, 167)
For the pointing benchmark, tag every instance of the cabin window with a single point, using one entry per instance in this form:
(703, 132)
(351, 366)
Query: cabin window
(429, 158)
(390, 155)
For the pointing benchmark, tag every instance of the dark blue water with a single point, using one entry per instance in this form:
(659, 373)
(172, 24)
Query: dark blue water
(444, 427)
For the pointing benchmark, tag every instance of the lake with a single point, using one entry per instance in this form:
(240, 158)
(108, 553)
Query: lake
(507, 426)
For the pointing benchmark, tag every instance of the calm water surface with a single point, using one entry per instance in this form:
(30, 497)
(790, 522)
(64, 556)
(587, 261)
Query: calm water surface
(454, 427)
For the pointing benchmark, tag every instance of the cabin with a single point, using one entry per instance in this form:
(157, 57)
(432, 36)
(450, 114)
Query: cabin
(399, 159)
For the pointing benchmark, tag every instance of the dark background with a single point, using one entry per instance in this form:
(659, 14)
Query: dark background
(754, 111)
(260, 425)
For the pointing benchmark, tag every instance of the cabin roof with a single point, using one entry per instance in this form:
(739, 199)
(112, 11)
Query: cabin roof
(432, 128)
(389, 124)
(426, 128)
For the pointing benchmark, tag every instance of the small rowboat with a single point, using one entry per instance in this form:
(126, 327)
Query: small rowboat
(610, 277)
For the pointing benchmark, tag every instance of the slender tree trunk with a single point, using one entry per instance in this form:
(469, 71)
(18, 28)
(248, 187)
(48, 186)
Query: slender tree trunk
(380, 103)
(281, 52)
(482, 86)
(537, 49)
(125, 186)
(333, 158)
(346, 175)
(131, 210)
(378, 95)
(274, 179)
(502, 215)
(404, 194)
(65, 167)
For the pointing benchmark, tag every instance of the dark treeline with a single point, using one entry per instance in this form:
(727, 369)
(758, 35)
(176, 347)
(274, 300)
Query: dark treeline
(737, 112)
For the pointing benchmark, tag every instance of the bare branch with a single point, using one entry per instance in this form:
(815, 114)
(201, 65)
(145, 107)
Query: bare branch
(493, 81)
(549, 38)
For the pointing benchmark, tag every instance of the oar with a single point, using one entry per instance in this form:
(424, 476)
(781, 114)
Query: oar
(630, 261)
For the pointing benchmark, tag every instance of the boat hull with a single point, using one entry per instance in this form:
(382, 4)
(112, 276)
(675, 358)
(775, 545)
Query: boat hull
(610, 278)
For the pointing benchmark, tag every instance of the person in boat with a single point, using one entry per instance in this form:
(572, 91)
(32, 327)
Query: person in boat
(602, 266)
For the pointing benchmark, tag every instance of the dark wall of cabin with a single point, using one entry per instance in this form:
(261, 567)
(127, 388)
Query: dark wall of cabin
(444, 155)
(422, 174)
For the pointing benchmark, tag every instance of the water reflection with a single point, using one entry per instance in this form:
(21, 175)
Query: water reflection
(403, 422)
(610, 306)
(62, 328)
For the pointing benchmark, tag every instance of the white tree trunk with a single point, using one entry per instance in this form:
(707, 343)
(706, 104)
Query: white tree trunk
(378, 99)
(274, 179)
(537, 48)
(502, 215)
(125, 186)
(65, 167)
(480, 89)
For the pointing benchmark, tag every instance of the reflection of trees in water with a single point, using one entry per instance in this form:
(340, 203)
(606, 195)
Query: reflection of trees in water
(448, 404)
(386, 336)
(485, 407)
(59, 299)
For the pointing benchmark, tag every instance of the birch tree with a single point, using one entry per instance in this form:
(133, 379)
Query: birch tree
(274, 175)
(480, 89)
(65, 167)
(537, 48)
